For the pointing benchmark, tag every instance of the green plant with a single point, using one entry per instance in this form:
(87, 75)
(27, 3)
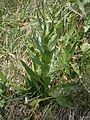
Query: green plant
(59, 31)
(54, 38)
(40, 54)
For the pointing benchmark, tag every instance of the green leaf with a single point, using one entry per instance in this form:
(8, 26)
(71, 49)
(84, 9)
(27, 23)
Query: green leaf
(33, 76)
(67, 68)
(37, 40)
(65, 102)
(47, 56)
(47, 81)
(35, 59)
(70, 86)
(52, 42)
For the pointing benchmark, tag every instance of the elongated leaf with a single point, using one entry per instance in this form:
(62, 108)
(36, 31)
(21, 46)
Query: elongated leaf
(34, 78)
(35, 59)
(37, 40)
(29, 71)
(52, 42)
(47, 81)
